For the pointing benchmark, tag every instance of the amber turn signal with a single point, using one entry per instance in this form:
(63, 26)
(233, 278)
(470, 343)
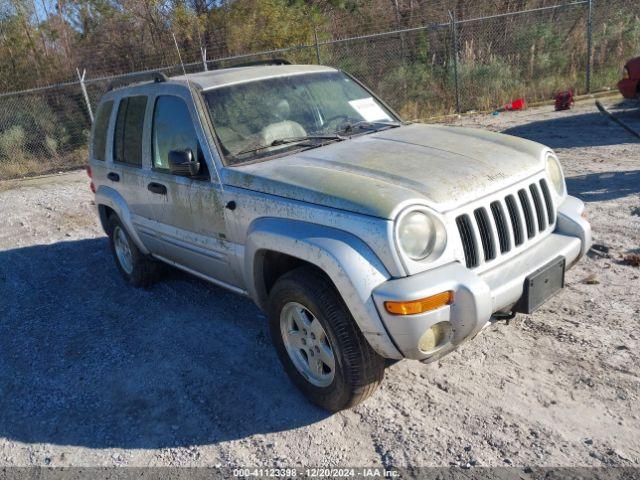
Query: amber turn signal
(414, 307)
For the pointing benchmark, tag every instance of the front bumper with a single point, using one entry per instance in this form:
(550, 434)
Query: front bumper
(477, 296)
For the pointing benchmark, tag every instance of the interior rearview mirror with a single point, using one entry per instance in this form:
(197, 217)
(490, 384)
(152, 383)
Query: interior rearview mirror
(181, 162)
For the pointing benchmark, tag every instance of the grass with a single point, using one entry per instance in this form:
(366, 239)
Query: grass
(29, 166)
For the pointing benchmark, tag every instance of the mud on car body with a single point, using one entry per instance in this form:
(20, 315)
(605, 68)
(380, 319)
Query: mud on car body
(363, 237)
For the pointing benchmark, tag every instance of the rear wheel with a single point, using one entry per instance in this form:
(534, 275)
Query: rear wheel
(319, 344)
(135, 267)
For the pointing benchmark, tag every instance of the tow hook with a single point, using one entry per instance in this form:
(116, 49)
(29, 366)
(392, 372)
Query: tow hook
(503, 316)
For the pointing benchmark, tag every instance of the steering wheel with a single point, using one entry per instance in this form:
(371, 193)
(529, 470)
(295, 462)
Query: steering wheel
(338, 120)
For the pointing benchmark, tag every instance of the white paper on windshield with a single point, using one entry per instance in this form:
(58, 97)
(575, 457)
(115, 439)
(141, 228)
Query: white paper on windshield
(369, 110)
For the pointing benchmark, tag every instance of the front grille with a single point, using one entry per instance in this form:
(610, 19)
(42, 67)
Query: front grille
(528, 214)
(501, 226)
(516, 223)
(551, 214)
(468, 240)
(482, 220)
(505, 224)
(537, 202)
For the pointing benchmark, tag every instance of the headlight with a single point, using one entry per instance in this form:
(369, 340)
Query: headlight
(417, 234)
(555, 174)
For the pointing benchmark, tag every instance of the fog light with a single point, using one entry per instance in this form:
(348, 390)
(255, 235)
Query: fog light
(435, 337)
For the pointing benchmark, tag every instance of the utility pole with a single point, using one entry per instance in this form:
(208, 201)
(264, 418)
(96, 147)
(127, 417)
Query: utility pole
(203, 49)
(83, 87)
(315, 36)
(589, 44)
(203, 52)
(454, 47)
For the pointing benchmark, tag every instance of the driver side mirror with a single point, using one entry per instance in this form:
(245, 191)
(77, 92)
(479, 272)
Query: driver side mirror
(181, 162)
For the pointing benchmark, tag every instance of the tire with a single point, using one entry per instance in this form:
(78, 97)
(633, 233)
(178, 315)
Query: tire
(304, 294)
(139, 270)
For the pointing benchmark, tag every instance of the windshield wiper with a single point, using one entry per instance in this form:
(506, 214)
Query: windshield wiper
(365, 125)
(290, 141)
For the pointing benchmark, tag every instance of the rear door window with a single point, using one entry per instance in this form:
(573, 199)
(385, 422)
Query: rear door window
(100, 130)
(127, 141)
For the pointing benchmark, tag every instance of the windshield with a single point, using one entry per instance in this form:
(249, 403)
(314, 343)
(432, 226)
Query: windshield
(265, 117)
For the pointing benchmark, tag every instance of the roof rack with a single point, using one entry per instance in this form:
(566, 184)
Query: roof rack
(256, 63)
(155, 76)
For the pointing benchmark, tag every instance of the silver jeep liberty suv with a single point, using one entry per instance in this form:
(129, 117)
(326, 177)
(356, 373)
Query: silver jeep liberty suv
(364, 238)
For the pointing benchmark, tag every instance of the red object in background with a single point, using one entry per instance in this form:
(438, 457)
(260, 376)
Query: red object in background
(517, 104)
(629, 86)
(564, 100)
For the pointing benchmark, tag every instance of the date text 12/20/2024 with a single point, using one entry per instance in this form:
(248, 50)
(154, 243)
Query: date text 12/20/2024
(374, 472)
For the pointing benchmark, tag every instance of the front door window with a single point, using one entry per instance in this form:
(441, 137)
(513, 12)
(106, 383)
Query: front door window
(172, 130)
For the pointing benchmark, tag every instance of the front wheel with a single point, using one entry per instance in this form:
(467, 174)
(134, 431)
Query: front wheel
(319, 344)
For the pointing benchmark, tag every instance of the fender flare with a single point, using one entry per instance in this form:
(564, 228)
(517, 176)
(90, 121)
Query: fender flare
(111, 198)
(571, 223)
(350, 264)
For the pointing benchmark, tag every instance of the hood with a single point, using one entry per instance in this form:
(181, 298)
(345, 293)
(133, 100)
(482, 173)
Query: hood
(374, 174)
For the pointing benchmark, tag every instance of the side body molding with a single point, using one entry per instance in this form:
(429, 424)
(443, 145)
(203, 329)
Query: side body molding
(354, 269)
(112, 199)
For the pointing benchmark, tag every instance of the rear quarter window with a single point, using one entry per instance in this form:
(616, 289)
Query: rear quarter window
(100, 130)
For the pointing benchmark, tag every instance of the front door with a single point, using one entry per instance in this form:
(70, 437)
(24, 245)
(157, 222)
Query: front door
(191, 225)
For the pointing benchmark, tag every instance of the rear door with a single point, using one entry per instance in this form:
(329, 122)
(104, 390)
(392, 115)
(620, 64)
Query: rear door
(127, 173)
(189, 210)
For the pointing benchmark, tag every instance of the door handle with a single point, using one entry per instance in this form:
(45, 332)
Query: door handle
(157, 188)
(114, 177)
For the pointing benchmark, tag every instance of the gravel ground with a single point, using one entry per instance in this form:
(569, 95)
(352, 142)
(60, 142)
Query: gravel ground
(94, 373)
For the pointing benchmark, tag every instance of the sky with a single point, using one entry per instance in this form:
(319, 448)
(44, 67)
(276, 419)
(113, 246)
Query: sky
(42, 7)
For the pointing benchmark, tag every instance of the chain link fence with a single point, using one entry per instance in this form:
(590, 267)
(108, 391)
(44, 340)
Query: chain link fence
(436, 64)
(530, 54)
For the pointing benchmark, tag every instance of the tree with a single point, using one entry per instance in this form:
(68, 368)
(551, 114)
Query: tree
(269, 24)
